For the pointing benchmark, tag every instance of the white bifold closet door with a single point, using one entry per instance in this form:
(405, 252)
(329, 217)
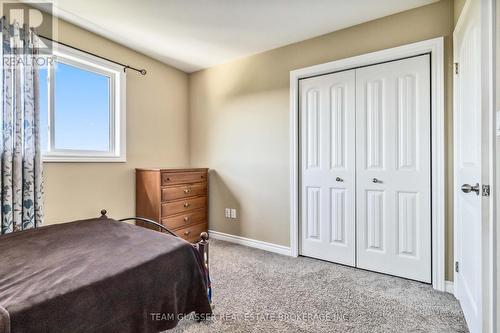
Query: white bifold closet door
(365, 168)
(393, 171)
(328, 167)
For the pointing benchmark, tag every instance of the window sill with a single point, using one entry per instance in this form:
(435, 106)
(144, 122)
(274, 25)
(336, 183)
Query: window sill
(83, 159)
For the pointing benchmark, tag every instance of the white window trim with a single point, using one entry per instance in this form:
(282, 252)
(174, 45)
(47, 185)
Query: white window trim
(117, 79)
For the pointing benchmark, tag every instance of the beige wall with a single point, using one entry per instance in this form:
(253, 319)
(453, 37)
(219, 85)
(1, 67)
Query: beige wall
(238, 125)
(157, 135)
(457, 9)
(239, 118)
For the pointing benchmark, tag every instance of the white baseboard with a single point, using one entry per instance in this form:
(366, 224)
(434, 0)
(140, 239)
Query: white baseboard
(449, 287)
(257, 244)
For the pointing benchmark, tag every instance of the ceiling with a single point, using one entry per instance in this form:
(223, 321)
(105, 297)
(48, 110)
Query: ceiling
(196, 34)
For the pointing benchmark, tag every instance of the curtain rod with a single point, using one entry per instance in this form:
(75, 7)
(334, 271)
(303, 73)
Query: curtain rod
(125, 67)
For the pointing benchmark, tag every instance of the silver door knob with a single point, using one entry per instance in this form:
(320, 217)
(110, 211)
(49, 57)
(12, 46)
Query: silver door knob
(467, 188)
(339, 179)
(375, 180)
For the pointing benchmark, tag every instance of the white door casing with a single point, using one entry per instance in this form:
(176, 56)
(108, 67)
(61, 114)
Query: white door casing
(468, 156)
(328, 167)
(394, 168)
(434, 47)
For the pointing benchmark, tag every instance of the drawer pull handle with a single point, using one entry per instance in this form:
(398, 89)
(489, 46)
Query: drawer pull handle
(186, 205)
(168, 178)
(186, 219)
(186, 233)
(187, 190)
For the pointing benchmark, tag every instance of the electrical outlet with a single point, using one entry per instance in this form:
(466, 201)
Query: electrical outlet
(233, 213)
(227, 213)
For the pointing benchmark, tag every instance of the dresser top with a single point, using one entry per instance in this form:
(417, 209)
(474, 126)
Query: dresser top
(173, 169)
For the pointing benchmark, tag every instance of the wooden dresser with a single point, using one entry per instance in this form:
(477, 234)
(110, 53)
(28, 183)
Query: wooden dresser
(176, 198)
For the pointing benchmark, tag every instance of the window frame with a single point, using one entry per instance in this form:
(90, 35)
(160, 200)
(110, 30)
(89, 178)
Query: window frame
(117, 107)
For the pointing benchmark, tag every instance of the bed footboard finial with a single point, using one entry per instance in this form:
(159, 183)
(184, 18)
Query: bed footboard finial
(202, 246)
(103, 213)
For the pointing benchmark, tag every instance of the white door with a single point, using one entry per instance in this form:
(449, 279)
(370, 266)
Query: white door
(467, 128)
(327, 105)
(394, 168)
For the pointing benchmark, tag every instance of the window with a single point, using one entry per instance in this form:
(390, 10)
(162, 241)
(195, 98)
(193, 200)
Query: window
(82, 108)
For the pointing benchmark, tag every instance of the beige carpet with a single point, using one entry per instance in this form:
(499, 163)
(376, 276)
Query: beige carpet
(258, 291)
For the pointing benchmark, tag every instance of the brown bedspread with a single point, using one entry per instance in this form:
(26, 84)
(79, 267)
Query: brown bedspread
(97, 276)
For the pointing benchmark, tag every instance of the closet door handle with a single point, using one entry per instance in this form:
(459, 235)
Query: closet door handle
(340, 180)
(376, 180)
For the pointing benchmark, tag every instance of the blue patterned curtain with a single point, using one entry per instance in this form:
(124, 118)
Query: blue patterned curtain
(21, 180)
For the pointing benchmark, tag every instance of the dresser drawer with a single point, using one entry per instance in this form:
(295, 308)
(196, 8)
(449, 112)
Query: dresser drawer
(184, 220)
(183, 191)
(176, 207)
(192, 234)
(182, 177)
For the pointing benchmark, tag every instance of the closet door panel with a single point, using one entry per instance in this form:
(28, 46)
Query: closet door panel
(327, 118)
(393, 168)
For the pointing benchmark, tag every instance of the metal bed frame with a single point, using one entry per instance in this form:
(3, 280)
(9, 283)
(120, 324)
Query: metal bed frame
(201, 246)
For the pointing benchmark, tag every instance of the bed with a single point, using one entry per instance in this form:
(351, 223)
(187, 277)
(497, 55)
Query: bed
(100, 275)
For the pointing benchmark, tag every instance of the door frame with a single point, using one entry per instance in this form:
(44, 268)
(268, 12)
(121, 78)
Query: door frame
(490, 296)
(434, 47)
